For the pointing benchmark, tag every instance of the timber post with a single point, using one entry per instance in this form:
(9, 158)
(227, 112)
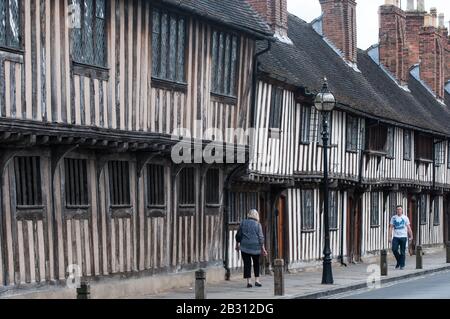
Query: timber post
(84, 292)
(383, 263)
(419, 253)
(200, 284)
(278, 277)
(448, 251)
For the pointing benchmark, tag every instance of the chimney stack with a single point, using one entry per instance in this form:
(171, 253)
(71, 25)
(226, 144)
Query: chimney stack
(433, 12)
(415, 20)
(432, 57)
(339, 26)
(274, 12)
(393, 54)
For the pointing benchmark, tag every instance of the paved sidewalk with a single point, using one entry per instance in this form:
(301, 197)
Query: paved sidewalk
(307, 284)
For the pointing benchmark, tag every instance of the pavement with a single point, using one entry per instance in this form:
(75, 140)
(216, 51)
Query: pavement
(307, 284)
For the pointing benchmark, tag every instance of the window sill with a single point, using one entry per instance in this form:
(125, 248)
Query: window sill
(169, 85)
(186, 210)
(30, 212)
(155, 212)
(121, 211)
(424, 160)
(329, 146)
(308, 231)
(352, 151)
(374, 226)
(80, 212)
(390, 157)
(375, 153)
(212, 209)
(221, 98)
(91, 71)
(407, 159)
(305, 143)
(13, 55)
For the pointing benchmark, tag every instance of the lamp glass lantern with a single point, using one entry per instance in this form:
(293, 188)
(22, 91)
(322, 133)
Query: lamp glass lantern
(325, 100)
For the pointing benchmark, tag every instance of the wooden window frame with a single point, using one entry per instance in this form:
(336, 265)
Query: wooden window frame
(376, 139)
(231, 97)
(307, 226)
(165, 82)
(305, 124)
(152, 209)
(276, 109)
(7, 47)
(374, 198)
(28, 209)
(210, 207)
(423, 144)
(240, 201)
(187, 209)
(352, 134)
(436, 215)
(82, 210)
(91, 68)
(422, 203)
(333, 211)
(123, 209)
(319, 129)
(448, 154)
(390, 143)
(439, 153)
(407, 155)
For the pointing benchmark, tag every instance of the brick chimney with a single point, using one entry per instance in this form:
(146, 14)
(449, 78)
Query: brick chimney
(415, 19)
(274, 12)
(392, 37)
(432, 55)
(339, 26)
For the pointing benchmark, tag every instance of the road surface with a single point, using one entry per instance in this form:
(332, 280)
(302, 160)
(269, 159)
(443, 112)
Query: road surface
(434, 286)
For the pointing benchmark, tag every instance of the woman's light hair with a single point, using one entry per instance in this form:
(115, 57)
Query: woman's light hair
(253, 214)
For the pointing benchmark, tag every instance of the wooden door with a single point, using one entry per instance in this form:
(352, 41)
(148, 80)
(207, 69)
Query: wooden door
(446, 219)
(353, 229)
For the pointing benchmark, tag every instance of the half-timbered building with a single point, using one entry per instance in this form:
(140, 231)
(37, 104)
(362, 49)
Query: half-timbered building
(93, 94)
(389, 133)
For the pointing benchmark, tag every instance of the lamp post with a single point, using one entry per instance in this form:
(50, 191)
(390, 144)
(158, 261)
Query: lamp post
(325, 103)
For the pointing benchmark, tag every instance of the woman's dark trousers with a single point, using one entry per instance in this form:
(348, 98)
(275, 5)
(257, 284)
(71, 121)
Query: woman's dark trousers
(248, 264)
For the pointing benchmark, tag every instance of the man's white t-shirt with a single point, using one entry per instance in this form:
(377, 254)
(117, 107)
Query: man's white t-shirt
(400, 223)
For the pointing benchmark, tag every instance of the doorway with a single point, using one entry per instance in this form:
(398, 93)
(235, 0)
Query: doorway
(354, 228)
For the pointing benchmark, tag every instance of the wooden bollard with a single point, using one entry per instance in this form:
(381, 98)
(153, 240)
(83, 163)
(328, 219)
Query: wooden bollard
(278, 277)
(200, 284)
(419, 254)
(448, 252)
(84, 292)
(383, 263)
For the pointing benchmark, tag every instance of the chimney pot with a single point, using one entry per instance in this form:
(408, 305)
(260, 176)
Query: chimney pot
(441, 20)
(410, 5)
(421, 5)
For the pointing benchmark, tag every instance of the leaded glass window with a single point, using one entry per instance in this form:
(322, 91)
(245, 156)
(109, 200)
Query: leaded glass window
(10, 24)
(88, 32)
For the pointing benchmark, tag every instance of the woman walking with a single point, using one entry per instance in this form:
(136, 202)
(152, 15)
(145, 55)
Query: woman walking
(250, 241)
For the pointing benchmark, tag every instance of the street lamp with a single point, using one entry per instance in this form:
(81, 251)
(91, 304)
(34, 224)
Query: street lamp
(325, 103)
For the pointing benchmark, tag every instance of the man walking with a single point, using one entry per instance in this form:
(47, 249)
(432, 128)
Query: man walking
(399, 230)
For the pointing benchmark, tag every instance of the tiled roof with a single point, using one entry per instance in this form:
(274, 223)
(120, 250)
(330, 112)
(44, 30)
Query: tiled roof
(236, 13)
(370, 92)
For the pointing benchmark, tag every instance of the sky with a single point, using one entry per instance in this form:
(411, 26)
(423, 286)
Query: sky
(367, 15)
